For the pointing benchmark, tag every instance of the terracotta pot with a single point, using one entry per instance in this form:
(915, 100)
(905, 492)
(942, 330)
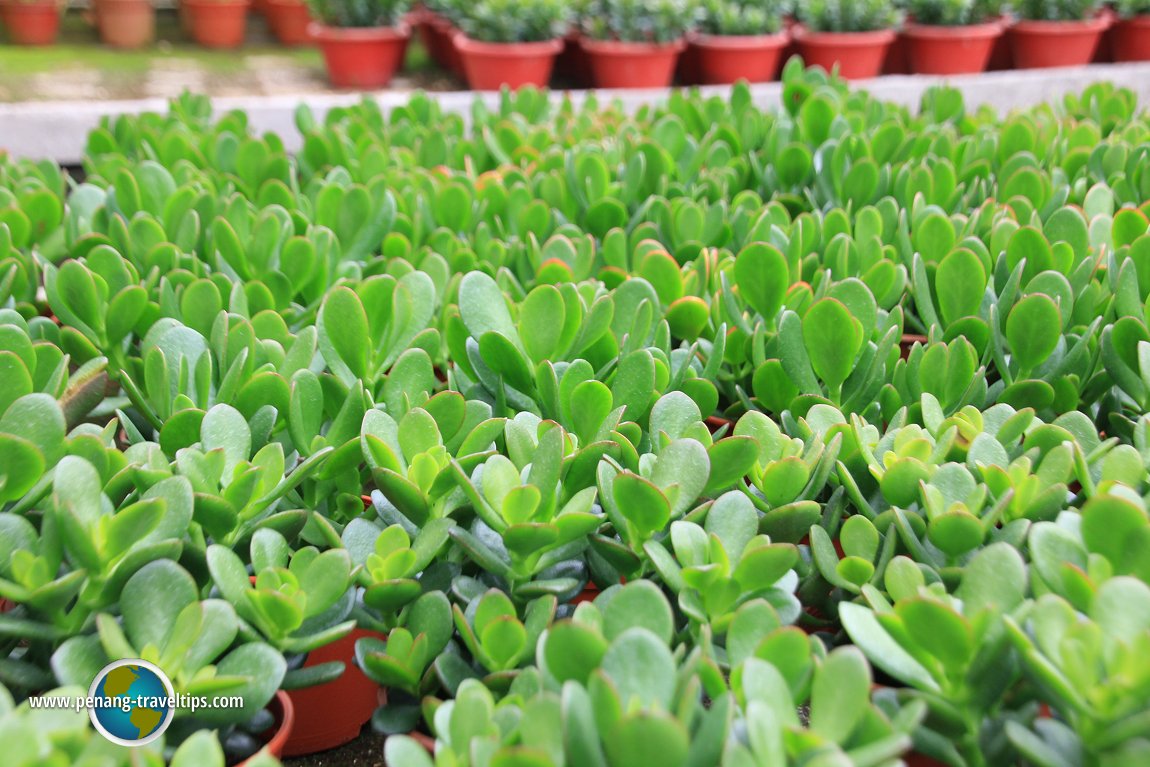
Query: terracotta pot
(616, 64)
(1130, 39)
(277, 737)
(217, 23)
(490, 66)
(727, 59)
(361, 58)
(126, 23)
(332, 714)
(915, 759)
(934, 50)
(289, 20)
(858, 55)
(260, 7)
(1043, 44)
(31, 23)
(5, 605)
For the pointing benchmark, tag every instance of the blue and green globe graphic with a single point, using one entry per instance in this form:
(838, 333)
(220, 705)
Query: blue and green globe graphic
(137, 702)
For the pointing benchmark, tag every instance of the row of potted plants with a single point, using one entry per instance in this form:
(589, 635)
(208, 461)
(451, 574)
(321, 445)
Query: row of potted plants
(618, 43)
(635, 402)
(621, 43)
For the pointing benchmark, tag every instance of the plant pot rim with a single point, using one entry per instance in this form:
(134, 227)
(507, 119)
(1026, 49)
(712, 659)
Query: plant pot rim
(623, 48)
(965, 31)
(511, 50)
(1097, 24)
(275, 746)
(214, 3)
(741, 42)
(323, 33)
(844, 39)
(147, 3)
(292, 3)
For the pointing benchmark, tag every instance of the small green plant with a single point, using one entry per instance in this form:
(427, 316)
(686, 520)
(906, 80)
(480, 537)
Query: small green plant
(1130, 8)
(740, 17)
(1056, 10)
(847, 15)
(515, 21)
(953, 13)
(639, 21)
(359, 13)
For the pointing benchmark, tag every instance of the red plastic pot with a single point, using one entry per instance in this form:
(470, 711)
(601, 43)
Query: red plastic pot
(281, 709)
(329, 715)
(935, 50)
(361, 58)
(1043, 44)
(1130, 39)
(31, 23)
(617, 64)
(723, 59)
(125, 23)
(858, 55)
(289, 21)
(217, 23)
(490, 66)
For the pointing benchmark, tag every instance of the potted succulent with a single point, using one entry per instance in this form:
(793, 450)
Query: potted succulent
(635, 43)
(363, 43)
(31, 22)
(503, 42)
(289, 20)
(217, 23)
(850, 35)
(125, 23)
(739, 40)
(161, 619)
(1064, 33)
(1130, 35)
(951, 37)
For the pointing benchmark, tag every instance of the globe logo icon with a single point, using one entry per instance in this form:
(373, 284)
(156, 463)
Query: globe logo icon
(133, 702)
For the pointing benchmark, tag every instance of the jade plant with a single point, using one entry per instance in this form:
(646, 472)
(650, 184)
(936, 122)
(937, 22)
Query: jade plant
(198, 643)
(402, 662)
(36, 737)
(953, 651)
(1094, 687)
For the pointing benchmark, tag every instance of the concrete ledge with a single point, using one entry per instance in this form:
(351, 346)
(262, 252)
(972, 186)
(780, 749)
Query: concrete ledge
(58, 130)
